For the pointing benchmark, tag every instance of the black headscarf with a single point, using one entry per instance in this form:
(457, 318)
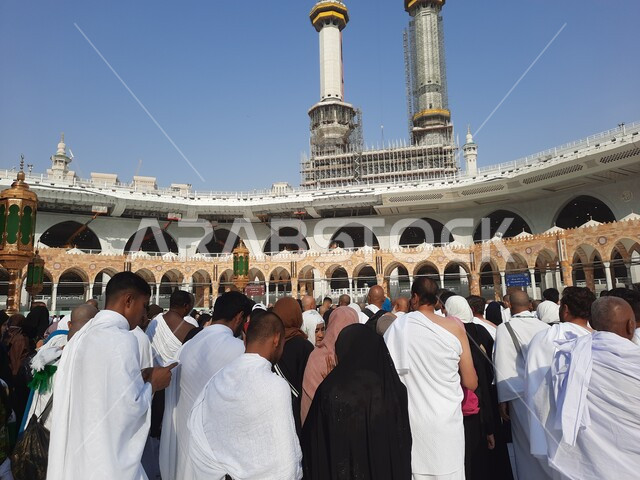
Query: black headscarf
(37, 322)
(358, 424)
(494, 313)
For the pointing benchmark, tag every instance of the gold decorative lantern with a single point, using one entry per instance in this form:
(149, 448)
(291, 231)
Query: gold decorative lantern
(18, 207)
(240, 266)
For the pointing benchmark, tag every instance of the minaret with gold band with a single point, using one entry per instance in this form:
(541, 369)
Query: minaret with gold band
(431, 115)
(332, 120)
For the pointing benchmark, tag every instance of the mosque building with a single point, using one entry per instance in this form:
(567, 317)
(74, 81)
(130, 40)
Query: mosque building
(565, 216)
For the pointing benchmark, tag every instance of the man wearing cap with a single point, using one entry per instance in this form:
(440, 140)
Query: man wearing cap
(200, 359)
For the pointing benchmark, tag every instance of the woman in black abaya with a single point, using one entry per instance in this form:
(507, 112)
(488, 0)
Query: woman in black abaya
(358, 424)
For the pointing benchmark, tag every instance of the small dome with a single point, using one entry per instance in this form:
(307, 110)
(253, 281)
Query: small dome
(631, 216)
(555, 229)
(591, 223)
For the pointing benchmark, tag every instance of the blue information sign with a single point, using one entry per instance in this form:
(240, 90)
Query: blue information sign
(518, 279)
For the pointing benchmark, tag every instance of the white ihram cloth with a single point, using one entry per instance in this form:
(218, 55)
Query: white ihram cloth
(364, 318)
(427, 358)
(101, 407)
(49, 354)
(242, 425)
(597, 387)
(548, 312)
(164, 344)
(539, 386)
(510, 373)
(310, 320)
(63, 324)
(200, 359)
(192, 321)
(636, 337)
(144, 347)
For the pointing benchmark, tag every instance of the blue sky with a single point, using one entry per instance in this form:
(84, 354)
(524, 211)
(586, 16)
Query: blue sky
(231, 82)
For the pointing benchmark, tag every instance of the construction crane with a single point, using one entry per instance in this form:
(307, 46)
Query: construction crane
(97, 211)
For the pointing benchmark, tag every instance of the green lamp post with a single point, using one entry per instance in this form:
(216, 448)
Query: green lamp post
(18, 207)
(240, 266)
(35, 276)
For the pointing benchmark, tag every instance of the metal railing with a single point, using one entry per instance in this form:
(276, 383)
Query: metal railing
(591, 141)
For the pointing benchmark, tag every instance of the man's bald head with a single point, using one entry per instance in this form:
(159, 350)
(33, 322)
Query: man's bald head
(615, 315)
(376, 296)
(93, 302)
(401, 304)
(344, 300)
(308, 303)
(80, 316)
(520, 302)
(265, 336)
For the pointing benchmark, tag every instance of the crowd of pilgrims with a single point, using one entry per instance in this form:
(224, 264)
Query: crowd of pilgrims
(435, 386)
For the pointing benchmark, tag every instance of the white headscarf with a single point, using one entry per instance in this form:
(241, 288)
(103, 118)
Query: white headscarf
(458, 307)
(548, 312)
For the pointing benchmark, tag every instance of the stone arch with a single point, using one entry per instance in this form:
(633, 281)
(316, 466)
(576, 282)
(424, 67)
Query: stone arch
(588, 269)
(70, 234)
(170, 281)
(516, 264)
(547, 270)
(456, 278)
(279, 283)
(148, 276)
(364, 276)
(307, 277)
(225, 280)
(354, 235)
(100, 281)
(72, 288)
(219, 242)
(151, 240)
(579, 210)
(426, 269)
(490, 280)
(397, 280)
(490, 225)
(338, 278)
(286, 239)
(201, 288)
(425, 230)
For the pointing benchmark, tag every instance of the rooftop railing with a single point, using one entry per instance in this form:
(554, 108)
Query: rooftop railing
(545, 156)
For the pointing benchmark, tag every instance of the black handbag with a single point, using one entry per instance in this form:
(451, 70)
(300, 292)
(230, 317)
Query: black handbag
(30, 455)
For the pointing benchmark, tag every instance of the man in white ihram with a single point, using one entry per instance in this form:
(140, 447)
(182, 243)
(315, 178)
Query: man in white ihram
(597, 390)
(242, 424)
(433, 359)
(575, 314)
(200, 359)
(101, 414)
(512, 342)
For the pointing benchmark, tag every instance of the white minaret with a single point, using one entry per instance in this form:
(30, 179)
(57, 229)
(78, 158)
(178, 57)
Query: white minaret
(332, 120)
(432, 118)
(329, 18)
(470, 150)
(60, 162)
